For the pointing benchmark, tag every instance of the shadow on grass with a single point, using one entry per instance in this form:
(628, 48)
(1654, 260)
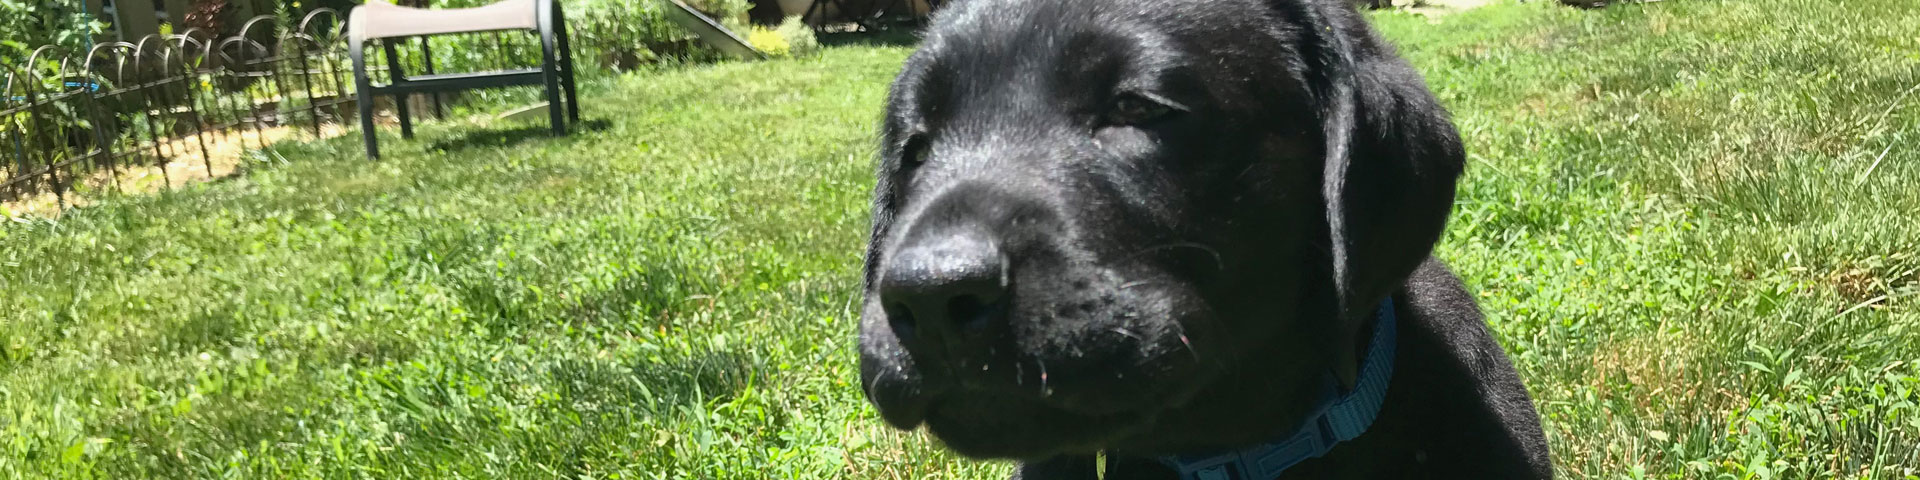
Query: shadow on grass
(501, 137)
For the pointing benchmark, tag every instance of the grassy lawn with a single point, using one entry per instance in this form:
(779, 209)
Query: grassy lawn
(1693, 223)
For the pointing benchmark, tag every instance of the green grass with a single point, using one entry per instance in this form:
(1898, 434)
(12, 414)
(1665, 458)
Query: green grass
(1669, 217)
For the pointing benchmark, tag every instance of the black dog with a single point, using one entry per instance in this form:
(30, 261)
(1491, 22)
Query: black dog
(1192, 235)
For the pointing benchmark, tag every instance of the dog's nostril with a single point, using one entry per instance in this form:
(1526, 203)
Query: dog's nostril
(967, 311)
(901, 318)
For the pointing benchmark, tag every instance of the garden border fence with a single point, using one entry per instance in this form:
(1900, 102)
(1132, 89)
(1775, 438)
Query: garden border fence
(72, 123)
(157, 113)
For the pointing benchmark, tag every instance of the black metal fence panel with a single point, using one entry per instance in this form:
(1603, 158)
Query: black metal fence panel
(168, 109)
(123, 112)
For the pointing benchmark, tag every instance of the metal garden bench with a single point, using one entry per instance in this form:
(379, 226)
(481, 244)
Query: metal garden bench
(389, 24)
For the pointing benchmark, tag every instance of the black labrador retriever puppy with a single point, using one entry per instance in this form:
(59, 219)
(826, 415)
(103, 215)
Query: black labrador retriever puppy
(1158, 239)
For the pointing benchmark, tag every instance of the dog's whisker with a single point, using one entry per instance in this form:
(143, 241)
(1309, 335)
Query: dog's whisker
(1186, 345)
(1154, 360)
(1006, 271)
(1218, 262)
(1245, 171)
(875, 383)
(1185, 342)
(1044, 391)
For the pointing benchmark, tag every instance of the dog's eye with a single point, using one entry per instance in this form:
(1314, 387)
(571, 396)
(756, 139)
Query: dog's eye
(1135, 109)
(914, 152)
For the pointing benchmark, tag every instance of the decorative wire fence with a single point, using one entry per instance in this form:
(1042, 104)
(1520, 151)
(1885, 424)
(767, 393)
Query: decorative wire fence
(168, 109)
(124, 111)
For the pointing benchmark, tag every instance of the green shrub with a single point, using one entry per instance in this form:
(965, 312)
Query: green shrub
(769, 42)
(616, 35)
(620, 35)
(792, 38)
(732, 13)
(28, 24)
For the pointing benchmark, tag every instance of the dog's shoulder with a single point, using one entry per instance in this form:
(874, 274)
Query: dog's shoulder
(1456, 381)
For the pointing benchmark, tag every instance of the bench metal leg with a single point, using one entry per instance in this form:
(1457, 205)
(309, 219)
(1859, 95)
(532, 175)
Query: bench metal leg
(363, 94)
(400, 101)
(566, 63)
(549, 62)
(556, 112)
(396, 75)
(366, 126)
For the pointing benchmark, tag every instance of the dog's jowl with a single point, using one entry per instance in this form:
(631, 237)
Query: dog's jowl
(1189, 237)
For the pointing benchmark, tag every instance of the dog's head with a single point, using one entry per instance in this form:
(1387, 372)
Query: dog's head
(1122, 225)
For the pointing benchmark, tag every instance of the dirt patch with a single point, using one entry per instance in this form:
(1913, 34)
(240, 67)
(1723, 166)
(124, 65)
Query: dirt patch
(1873, 281)
(186, 162)
(1665, 364)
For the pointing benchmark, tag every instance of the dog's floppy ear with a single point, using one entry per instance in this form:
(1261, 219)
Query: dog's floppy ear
(1391, 157)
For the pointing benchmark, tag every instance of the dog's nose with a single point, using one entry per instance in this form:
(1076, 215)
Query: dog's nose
(948, 290)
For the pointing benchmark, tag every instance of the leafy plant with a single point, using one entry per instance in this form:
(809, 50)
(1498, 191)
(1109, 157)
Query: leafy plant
(618, 35)
(28, 24)
(212, 16)
(792, 38)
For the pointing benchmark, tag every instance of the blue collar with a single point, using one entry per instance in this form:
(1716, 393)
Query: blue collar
(1337, 418)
